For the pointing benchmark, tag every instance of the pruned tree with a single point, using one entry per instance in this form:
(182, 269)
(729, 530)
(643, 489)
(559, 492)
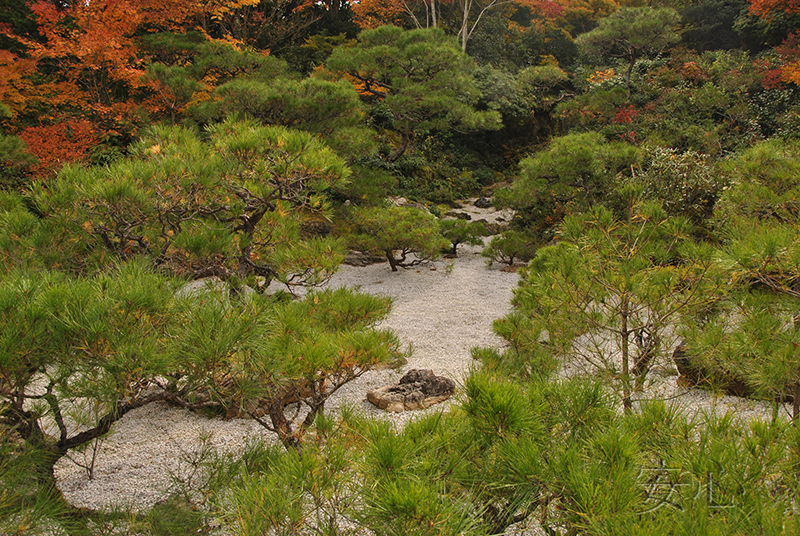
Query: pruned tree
(574, 173)
(278, 362)
(129, 337)
(630, 33)
(298, 355)
(406, 236)
(330, 109)
(511, 246)
(64, 340)
(231, 208)
(418, 79)
(462, 232)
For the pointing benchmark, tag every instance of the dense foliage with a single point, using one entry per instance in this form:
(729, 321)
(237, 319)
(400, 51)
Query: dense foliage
(178, 178)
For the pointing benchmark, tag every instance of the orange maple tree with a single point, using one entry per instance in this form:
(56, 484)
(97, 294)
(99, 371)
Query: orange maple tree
(767, 8)
(369, 14)
(15, 83)
(87, 68)
(54, 145)
(790, 55)
(790, 49)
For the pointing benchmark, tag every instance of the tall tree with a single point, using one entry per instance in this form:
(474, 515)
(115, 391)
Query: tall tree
(420, 79)
(630, 33)
(460, 18)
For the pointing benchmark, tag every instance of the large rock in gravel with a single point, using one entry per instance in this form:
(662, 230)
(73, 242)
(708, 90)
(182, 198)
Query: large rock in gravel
(483, 203)
(694, 372)
(418, 389)
(360, 258)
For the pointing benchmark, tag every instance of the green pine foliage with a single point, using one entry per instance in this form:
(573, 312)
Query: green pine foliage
(574, 173)
(608, 292)
(406, 236)
(462, 232)
(750, 335)
(231, 207)
(543, 454)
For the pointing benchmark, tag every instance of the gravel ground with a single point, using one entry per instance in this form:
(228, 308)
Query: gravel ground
(442, 309)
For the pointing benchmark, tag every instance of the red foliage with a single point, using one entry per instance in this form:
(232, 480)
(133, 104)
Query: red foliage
(766, 8)
(546, 8)
(773, 79)
(60, 143)
(790, 55)
(626, 114)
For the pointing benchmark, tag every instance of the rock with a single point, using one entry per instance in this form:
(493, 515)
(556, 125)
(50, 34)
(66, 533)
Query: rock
(418, 389)
(403, 202)
(359, 258)
(693, 372)
(483, 202)
(198, 287)
(458, 215)
(314, 229)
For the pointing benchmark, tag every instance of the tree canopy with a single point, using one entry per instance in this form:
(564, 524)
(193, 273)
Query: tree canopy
(418, 80)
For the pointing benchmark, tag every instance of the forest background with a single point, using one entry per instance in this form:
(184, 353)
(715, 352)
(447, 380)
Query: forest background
(648, 149)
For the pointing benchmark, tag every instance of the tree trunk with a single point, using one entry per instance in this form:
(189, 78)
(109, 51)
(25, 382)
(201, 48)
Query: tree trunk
(398, 152)
(628, 74)
(283, 427)
(626, 380)
(392, 260)
(466, 6)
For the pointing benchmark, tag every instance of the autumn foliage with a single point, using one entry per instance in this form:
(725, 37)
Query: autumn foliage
(764, 8)
(54, 145)
(371, 14)
(790, 50)
(88, 64)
